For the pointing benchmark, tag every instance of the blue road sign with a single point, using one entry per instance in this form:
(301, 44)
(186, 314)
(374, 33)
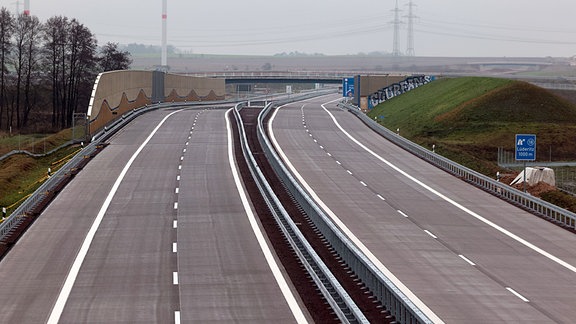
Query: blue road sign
(525, 147)
(348, 87)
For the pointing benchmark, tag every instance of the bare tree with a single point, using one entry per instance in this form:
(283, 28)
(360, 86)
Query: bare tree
(82, 46)
(32, 70)
(55, 39)
(6, 30)
(26, 55)
(70, 54)
(112, 58)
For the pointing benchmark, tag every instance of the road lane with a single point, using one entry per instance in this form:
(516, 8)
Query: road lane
(424, 240)
(222, 277)
(34, 270)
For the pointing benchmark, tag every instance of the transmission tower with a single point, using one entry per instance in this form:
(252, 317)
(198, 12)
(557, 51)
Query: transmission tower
(410, 49)
(397, 22)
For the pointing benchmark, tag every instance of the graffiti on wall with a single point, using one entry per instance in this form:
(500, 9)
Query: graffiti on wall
(397, 89)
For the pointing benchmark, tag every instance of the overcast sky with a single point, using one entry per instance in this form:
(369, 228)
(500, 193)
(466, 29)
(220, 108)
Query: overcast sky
(497, 28)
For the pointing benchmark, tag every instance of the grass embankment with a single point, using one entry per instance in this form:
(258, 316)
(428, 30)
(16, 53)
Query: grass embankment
(468, 119)
(21, 175)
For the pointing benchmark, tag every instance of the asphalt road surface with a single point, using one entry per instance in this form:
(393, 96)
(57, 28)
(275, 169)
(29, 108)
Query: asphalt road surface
(161, 236)
(467, 256)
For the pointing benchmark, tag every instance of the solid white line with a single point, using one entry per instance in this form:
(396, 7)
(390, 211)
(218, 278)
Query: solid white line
(75, 269)
(175, 247)
(429, 233)
(177, 190)
(177, 317)
(467, 260)
(382, 198)
(175, 277)
(454, 203)
(176, 205)
(409, 294)
(363, 183)
(175, 224)
(282, 283)
(402, 213)
(524, 299)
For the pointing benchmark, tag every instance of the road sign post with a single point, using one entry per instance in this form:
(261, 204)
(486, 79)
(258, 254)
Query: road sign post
(525, 150)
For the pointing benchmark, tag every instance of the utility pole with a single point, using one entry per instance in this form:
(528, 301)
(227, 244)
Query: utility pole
(164, 61)
(410, 49)
(26, 7)
(396, 45)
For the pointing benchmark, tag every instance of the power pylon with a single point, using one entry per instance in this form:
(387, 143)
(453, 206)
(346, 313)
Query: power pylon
(397, 22)
(410, 48)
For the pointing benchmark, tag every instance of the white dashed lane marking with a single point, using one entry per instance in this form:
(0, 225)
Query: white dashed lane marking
(467, 260)
(431, 235)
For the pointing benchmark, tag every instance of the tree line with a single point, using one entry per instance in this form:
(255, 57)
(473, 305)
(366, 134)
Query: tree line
(47, 70)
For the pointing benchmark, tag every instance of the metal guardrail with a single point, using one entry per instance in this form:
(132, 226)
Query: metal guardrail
(40, 194)
(535, 205)
(385, 291)
(343, 306)
(14, 152)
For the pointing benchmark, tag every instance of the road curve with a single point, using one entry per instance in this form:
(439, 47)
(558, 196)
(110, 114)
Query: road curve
(468, 256)
(174, 244)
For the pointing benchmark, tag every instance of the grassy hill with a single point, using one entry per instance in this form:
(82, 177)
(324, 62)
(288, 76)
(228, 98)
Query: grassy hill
(469, 118)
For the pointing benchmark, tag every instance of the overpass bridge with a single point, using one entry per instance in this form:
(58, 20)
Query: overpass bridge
(278, 77)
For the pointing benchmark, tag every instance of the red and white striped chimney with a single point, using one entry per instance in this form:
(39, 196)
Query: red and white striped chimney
(164, 33)
(27, 7)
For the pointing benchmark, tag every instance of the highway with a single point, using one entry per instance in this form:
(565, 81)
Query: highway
(466, 256)
(156, 229)
(153, 230)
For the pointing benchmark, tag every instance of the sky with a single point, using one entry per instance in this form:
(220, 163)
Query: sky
(453, 28)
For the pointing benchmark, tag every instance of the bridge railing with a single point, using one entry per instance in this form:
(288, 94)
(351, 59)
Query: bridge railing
(384, 289)
(524, 200)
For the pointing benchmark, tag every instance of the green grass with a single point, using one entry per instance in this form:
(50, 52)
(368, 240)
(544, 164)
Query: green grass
(21, 175)
(469, 118)
(34, 143)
